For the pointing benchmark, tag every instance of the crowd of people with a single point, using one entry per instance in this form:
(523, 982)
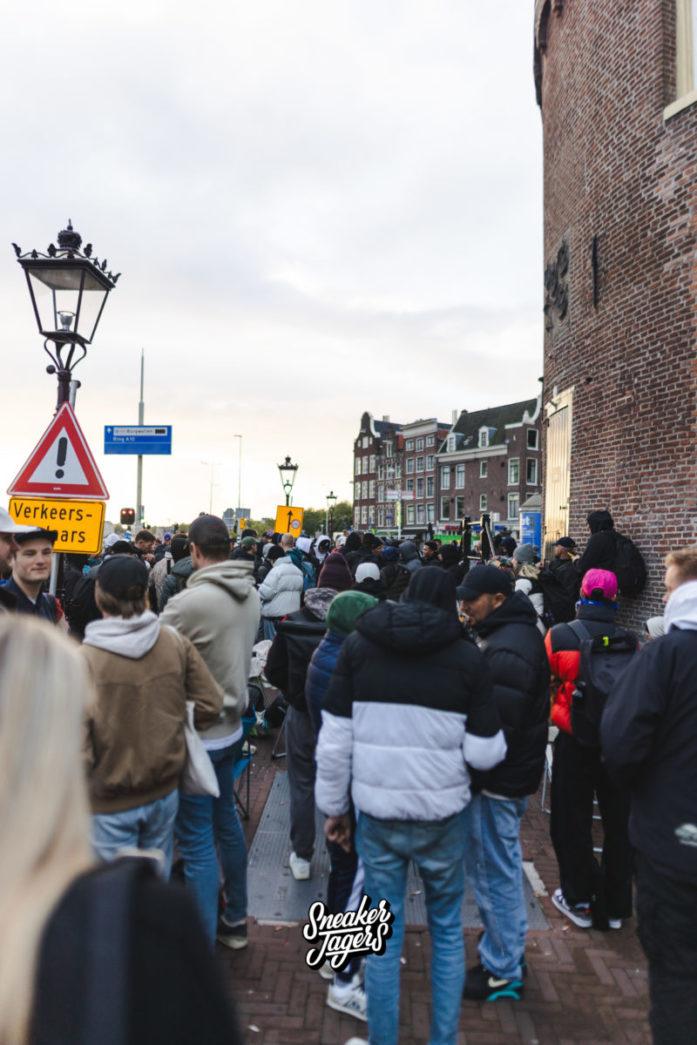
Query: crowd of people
(420, 690)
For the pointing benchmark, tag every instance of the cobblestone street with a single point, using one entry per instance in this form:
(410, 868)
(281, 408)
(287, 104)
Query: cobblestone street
(582, 986)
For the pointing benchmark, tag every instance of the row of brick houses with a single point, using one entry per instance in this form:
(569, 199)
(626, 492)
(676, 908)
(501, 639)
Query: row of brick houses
(432, 475)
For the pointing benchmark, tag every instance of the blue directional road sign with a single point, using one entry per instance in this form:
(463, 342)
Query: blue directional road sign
(138, 439)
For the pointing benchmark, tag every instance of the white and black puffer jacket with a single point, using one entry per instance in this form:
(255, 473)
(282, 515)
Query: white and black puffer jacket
(281, 591)
(409, 705)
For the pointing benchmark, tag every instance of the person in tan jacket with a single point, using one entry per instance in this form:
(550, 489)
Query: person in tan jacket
(218, 611)
(135, 749)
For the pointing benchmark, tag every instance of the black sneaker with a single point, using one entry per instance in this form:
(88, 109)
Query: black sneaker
(523, 960)
(481, 985)
(232, 936)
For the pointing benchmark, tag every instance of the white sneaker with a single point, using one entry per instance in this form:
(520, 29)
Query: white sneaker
(326, 971)
(299, 868)
(357, 1041)
(579, 914)
(349, 999)
(615, 923)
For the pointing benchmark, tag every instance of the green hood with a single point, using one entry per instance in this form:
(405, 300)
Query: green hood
(346, 608)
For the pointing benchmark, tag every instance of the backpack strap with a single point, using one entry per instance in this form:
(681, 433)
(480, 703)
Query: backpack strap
(580, 630)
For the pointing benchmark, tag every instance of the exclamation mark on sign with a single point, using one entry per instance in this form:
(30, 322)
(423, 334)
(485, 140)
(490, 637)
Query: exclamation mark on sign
(62, 452)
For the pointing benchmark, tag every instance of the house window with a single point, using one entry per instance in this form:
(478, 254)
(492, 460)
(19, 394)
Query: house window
(431, 512)
(388, 449)
(451, 444)
(371, 489)
(419, 464)
(483, 502)
(460, 476)
(356, 517)
(429, 486)
(445, 507)
(419, 487)
(410, 485)
(483, 437)
(381, 471)
(513, 506)
(531, 469)
(364, 515)
(514, 471)
(421, 513)
(410, 466)
(685, 48)
(366, 442)
(445, 478)
(409, 444)
(430, 441)
(429, 463)
(398, 471)
(483, 469)
(371, 466)
(357, 466)
(459, 507)
(410, 515)
(533, 439)
(419, 444)
(381, 517)
(381, 492)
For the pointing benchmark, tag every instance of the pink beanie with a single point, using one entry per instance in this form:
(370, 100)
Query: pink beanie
(599, 584)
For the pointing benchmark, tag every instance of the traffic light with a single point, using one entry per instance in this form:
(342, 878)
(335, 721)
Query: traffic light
(128, 516)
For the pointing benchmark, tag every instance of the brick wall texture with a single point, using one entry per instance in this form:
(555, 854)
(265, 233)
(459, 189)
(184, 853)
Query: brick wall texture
(615, 170)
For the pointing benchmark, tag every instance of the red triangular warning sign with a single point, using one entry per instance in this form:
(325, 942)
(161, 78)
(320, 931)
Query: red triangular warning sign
(61, 465)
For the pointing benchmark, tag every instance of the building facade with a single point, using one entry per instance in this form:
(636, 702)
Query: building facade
(617, 89)
(490, 461)
(430, 474)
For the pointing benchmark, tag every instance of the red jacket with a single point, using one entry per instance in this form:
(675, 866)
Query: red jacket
(564, 654)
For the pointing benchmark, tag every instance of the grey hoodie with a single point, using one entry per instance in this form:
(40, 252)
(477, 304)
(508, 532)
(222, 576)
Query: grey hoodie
(131, 638)
(409, 556)
(219, 612)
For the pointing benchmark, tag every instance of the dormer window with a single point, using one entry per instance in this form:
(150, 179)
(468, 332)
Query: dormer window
(483, 438)
(452, 444)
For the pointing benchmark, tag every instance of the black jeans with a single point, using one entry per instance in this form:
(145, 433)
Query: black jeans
(667, 910)
(345, 888)
(578, 773)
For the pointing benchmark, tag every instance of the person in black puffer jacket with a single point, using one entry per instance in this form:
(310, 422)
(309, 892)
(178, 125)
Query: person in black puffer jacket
(505, 623)
(601, 550)
(297, 637)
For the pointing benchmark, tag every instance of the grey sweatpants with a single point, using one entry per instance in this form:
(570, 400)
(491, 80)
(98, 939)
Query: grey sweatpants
(300, 753)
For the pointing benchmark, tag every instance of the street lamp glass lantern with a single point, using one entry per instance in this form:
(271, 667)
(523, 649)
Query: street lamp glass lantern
(331, 499)
(287, 471)
(68, 289)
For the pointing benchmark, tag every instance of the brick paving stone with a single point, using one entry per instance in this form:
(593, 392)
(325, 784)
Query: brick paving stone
(582, 986)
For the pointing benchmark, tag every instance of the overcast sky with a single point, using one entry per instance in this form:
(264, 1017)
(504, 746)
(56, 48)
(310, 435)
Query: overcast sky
(318, 208)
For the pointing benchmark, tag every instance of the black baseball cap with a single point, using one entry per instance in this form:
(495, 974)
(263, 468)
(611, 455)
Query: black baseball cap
(123, 577)
(565, 542)
(485, 580)
(36, 535)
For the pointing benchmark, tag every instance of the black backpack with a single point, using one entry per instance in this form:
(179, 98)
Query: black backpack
(604, 659)
(560, 605)
(628, 566)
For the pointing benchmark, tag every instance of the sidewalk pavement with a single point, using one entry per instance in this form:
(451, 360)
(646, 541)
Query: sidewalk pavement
(582, 987)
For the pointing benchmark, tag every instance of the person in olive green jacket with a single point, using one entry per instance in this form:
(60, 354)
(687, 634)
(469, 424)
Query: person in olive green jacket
(135, 749)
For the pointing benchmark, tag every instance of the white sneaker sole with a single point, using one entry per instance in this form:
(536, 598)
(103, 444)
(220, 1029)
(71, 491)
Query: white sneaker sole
(300, 874)
(347, 1009)
(577, 919)
(325, 972)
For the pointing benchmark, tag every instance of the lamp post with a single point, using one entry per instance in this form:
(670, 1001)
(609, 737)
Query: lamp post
(288, 472)
(331, 501)
(239, 471)
(68, 290)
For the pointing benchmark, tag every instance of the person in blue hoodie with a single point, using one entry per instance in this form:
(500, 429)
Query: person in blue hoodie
(345, 885)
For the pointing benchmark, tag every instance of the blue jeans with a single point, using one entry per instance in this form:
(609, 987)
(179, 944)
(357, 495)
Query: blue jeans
(203, 822)
(495, 870)
(150, 826)
(437, 849)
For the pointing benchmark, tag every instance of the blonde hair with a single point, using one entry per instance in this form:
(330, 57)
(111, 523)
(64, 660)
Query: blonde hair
(44, 814)
(685, 560)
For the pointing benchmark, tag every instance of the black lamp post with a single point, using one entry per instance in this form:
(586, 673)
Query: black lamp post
(288, 472)
(331, 501)
(68, 290)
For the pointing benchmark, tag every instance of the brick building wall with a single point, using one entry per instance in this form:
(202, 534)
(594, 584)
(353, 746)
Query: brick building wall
(620, 214)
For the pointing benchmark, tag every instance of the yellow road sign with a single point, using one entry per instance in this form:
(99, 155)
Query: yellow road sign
(79, 524)
(289, 520)
(242, 524)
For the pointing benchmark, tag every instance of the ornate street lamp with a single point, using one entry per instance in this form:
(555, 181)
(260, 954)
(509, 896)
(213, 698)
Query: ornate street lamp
(331, 501)
(68, 290)
(288, 472)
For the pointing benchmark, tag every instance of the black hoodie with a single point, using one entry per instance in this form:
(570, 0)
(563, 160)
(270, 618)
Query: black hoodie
(515, 654)
(601, 551)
